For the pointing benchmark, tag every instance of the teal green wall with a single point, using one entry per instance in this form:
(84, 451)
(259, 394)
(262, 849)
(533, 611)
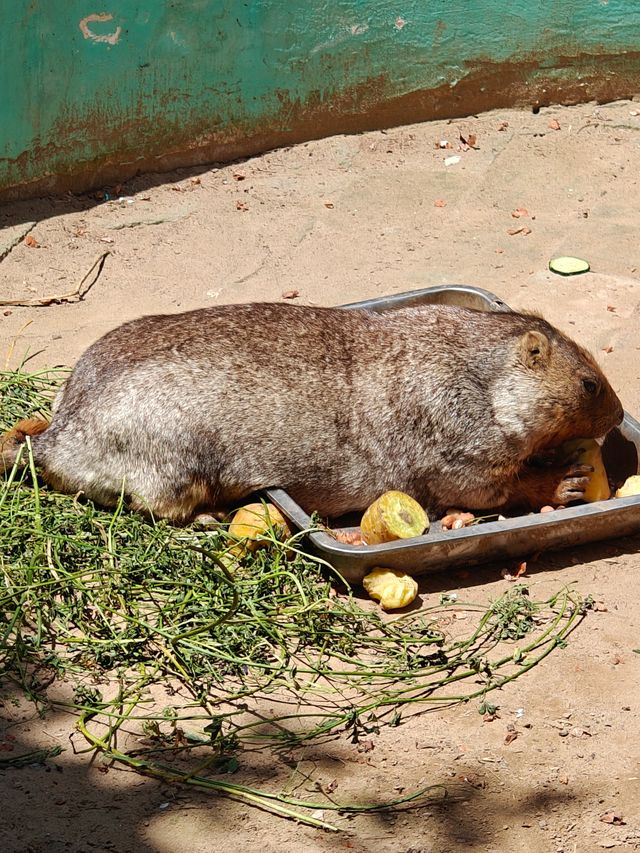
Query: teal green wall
(163, 83)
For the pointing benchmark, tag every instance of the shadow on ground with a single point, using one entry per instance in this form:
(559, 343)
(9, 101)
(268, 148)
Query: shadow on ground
(80, 803)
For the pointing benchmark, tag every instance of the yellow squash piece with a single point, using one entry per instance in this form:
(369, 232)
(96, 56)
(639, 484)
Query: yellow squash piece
(631, 486)
(393, 589)
(254, 521)
(589, 453)
(393, 515)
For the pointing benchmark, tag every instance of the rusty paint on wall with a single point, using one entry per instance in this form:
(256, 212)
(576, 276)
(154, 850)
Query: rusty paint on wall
(140, 86)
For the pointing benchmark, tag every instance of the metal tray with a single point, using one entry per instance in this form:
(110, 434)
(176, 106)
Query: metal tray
(515, 537)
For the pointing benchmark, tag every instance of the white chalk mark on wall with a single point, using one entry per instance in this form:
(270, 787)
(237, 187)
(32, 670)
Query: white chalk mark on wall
(107, 38)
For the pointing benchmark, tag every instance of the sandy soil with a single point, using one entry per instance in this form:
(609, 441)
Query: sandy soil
(339, 220)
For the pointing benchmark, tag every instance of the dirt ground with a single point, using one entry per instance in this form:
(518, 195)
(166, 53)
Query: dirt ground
(337, 221)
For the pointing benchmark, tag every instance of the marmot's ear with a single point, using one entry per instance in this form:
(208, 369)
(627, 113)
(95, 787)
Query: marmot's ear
(534, 349)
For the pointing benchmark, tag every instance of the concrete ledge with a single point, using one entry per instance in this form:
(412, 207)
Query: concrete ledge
(97, 98)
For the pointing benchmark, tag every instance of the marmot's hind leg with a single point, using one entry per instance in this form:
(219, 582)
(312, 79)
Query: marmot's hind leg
(178, 505)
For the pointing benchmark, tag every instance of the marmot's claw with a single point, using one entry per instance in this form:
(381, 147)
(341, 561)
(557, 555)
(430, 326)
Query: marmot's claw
(579, 472)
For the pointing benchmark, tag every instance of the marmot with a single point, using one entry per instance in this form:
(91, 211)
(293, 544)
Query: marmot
(192, 412)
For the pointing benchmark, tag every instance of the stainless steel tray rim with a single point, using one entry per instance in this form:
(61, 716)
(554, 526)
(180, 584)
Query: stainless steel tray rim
(397, 299)
(519, 523)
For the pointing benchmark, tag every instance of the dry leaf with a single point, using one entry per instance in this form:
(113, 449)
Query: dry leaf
(554, 124)
(612, 817)
(519, 211)
(522, 568)
(290, 294)
(510, 737)
(439, 202)
(31, 242)
(469, 141)
(523, 230)
(329, 204)
(179, 738)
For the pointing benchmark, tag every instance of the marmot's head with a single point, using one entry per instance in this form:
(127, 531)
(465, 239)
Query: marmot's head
(555, 388)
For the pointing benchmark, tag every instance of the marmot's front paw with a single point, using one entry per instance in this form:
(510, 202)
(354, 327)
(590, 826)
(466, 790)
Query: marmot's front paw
(573, 484)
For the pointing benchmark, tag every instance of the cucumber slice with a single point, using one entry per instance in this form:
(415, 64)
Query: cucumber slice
(568, 266)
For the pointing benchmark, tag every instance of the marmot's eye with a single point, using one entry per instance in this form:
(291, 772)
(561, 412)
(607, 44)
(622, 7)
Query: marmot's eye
(589, 386)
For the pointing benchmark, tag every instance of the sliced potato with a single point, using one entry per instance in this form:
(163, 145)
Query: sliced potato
(393, 515)
(253, 521)
(631, 486)
(392, 588)
(589, 453)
